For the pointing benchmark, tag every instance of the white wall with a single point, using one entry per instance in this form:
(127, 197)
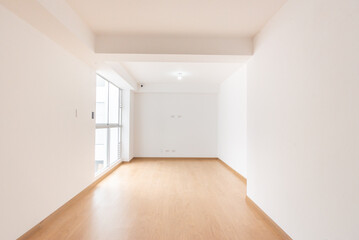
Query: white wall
(303, 119)
(46, 153)
(175, 125)
(132, 126)
(180, 87)
(232, 121)
(127, 124)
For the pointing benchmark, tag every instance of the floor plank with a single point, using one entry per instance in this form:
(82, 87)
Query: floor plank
(161, 199)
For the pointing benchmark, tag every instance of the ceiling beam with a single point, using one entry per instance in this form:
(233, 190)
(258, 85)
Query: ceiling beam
(174, 45)
(118, 57)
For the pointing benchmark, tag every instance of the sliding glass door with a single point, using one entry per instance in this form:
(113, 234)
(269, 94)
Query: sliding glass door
(108, 124)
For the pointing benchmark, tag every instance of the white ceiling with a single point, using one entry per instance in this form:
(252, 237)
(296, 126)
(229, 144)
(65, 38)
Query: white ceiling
(192, 21)
(216, 18)
(166, 72)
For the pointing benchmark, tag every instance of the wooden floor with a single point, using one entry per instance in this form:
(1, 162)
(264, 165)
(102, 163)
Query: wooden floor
(156, 199)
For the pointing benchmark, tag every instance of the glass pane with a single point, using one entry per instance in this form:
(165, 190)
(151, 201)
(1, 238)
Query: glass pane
(114, 93)
(101, 100)
(114, 145)
(101, 149)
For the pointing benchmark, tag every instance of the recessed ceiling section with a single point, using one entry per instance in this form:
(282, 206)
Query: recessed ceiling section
(186, 18)
(193, 73)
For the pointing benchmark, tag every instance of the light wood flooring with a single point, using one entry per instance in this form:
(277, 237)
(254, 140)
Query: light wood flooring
(160, 199)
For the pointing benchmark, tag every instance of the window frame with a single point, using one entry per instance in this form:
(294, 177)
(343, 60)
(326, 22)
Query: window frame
(110, 126)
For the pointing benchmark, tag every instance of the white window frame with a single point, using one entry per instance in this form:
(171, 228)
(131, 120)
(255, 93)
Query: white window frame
(109, 126)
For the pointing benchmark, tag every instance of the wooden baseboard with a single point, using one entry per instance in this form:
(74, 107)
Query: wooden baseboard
(174, 158)
(72, 201)
(233, 171)
(281, 232)
(103, 176)
(250, 202)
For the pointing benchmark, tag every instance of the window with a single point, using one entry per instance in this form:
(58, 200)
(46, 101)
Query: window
(108, 124)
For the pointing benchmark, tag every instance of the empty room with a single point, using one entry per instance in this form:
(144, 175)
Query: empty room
(179, 120)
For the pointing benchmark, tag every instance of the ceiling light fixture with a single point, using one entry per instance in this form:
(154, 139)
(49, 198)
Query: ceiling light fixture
(179, 76)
